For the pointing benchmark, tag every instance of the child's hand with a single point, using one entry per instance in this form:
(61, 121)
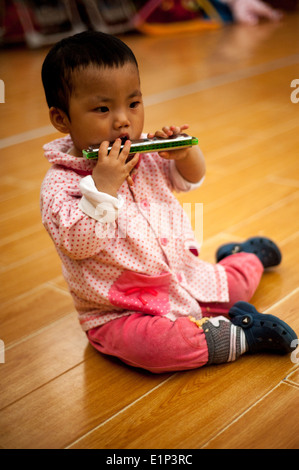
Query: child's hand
(111, 169)
(166, 132)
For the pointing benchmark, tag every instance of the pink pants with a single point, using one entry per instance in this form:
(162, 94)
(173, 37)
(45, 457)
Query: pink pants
(160, 345)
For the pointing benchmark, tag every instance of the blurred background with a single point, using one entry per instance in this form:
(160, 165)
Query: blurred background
(40, 22)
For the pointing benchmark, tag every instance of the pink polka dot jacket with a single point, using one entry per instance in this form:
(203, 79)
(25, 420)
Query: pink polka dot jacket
(134, 253)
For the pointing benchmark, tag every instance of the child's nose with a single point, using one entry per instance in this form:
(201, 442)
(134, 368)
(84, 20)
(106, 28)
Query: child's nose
(121, 120)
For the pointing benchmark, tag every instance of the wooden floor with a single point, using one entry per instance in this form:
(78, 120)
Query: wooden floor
(233, 86)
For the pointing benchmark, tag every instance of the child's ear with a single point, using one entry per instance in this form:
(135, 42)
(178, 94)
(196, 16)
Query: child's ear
(59, 120)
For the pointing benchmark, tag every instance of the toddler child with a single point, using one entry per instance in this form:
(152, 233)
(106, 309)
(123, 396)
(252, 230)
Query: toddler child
(128, 251)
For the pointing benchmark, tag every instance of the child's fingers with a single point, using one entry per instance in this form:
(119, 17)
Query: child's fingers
(175, 130)
(178, 129)
(123, 155)
(103, 149)
(130, 180)
(165, 155)
(131, 164)
(114, 152)
(161, 134)
(167, 131)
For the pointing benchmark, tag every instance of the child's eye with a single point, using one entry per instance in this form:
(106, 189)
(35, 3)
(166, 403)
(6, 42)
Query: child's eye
(102, 109)
(134, 104)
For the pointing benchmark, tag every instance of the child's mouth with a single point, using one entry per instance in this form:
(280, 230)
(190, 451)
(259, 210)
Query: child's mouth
(124, 138)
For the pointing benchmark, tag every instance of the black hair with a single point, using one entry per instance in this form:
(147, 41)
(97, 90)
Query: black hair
(80, 51)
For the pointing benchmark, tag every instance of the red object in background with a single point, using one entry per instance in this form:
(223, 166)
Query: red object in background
(171, 11)
(11, 29)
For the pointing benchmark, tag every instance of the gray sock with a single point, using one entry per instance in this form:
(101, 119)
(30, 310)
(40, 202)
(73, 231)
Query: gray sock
(226, 341)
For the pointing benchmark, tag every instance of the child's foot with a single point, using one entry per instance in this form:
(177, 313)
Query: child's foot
(263, 332)
(264, 248)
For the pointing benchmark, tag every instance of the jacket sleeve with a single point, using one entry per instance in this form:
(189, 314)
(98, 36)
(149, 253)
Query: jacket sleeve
(179, 183)
(98, 205)
(72, 230)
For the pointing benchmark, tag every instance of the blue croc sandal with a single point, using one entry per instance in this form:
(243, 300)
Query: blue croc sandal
(264, 248)
(263, 332)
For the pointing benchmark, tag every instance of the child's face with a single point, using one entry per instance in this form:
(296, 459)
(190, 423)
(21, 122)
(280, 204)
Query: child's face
(106, 103)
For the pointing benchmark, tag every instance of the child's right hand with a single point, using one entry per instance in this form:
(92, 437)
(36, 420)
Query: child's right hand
(111, 169)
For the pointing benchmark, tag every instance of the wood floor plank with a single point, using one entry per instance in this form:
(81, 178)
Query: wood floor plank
(252, 204)
(35, 309)
(33, 271)
(153, 422)
(29, 169)
(254, 123)
(17, 203)
(246, 157)
(73, 403)
(20, 220)
(272, 221)
(60, 282)
(254, 430)
(293, 378)
(281, 281)
(19, 247)
(41, 358)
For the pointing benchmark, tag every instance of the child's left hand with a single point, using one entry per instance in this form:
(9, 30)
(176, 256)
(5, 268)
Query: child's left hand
(166, 132)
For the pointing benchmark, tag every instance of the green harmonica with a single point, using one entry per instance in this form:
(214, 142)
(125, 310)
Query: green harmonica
(148, 145)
